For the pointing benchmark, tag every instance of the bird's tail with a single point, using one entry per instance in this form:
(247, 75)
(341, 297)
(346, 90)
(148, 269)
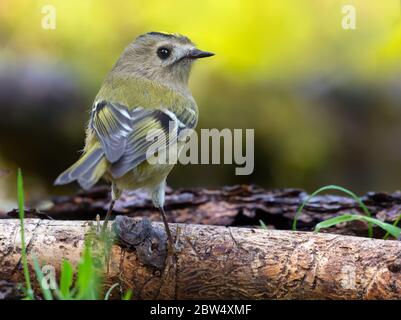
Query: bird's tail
(87, 170)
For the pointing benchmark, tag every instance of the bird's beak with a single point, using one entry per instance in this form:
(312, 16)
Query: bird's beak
(196, 54)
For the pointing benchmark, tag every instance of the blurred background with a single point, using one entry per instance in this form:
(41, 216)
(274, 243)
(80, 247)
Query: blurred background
(325, 102)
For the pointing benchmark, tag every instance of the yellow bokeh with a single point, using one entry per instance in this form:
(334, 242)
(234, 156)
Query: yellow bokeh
(271, 57)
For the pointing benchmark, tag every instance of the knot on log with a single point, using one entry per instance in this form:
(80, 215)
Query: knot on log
(150, 242)
(395, 266)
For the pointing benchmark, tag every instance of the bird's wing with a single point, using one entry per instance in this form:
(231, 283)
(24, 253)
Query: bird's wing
(112, 124)
(155, 129)
(126, 135)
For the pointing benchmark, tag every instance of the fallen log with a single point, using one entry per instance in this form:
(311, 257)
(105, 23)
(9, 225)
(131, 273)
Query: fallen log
(217, 262)
(239, 205)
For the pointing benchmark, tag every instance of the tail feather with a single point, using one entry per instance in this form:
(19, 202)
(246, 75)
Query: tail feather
(93, 174)
(87, 170)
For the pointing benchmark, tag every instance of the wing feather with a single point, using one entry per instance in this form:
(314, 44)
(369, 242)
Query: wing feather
(112, 124)
(139, 141)
(125, 135)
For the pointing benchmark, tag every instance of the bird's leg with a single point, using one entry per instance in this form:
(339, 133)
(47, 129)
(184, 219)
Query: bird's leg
(169, 236)
(108, 214)
(115, 194)
(157, 195)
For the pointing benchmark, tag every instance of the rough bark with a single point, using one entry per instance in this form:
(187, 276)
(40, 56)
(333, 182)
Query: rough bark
(241, 205)
(217, 262)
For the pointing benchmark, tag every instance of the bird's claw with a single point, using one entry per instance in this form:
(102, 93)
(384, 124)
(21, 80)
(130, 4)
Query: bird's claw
(176, 247)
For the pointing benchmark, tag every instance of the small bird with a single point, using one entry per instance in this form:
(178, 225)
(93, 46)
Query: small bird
(147, 89)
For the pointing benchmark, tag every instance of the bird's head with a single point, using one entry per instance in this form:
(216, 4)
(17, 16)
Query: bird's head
(161, 57)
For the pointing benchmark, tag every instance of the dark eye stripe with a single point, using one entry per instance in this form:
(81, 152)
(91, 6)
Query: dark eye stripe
(163, 53)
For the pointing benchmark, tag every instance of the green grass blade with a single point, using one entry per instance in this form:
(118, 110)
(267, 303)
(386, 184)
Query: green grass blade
(262, 225)
(391, 229)
(66, 278)
(107, 295)
(396, 222)
(127, 295)
(337, 188)
(333, 221)
(47, 295)
(87, 280)
(21, 210)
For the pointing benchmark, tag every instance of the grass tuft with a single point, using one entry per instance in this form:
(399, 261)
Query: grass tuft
(21, 213)
(88, 284)
(392, 230)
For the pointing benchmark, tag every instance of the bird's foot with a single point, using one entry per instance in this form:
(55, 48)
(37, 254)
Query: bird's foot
(174, 247)
(170, 263)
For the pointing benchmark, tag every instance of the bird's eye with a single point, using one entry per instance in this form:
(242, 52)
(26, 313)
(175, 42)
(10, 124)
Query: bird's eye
(163, 53)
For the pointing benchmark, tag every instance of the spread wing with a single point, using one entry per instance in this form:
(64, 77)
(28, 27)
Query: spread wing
(125, 134)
